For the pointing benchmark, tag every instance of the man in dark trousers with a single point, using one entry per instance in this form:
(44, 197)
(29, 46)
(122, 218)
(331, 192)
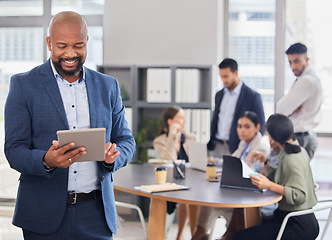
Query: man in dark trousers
(58, 196)
(230, 102)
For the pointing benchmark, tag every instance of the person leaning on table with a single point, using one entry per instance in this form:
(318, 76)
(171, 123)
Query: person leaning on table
(171, 144)
(292, 179)
(59, 198)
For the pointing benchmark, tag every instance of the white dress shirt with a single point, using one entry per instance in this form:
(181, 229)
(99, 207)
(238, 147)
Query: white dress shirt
(306, 91)
(83, 176)
(226, 112)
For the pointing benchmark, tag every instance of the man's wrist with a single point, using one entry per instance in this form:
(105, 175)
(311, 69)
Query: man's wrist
(47, 168)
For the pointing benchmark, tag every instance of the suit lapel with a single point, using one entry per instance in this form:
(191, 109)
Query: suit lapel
(53, 90)
(92, 91)
(219, 101)
(240, 100)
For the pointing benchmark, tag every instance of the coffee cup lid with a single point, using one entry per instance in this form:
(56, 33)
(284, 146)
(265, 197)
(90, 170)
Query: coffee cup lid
(160, 169)
(211, 164)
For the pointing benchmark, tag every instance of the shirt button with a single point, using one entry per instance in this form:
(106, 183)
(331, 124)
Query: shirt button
(75, 172)
(70, 85)
(74, 127)
(72, 106)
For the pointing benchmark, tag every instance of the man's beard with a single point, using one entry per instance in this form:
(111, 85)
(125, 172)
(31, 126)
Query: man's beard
(74, 72)
(300, 72)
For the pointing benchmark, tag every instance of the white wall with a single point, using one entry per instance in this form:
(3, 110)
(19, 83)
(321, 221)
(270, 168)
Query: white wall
(163, 32)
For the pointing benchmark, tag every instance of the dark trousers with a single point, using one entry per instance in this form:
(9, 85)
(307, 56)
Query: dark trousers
(309, 142)
(83, 220)
(303, 227)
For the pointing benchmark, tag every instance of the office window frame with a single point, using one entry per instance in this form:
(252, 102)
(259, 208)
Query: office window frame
(41, 21)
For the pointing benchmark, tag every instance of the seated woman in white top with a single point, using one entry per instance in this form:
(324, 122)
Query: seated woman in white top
(251, 140)
(171, 144)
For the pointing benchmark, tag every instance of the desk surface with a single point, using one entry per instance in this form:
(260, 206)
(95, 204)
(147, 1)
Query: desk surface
(201, 192)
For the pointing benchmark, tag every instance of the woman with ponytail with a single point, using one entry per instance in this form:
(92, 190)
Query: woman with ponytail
(292, 179)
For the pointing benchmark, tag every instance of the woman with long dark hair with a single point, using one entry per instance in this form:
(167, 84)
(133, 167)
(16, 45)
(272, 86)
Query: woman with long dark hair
(170, 144)
(292, 179)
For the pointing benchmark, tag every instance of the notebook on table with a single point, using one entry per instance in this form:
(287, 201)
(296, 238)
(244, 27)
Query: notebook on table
(165, 187)
(232, 175)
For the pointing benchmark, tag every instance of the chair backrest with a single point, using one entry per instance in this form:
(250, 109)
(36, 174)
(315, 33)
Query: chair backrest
(320, 206)
(139, 211)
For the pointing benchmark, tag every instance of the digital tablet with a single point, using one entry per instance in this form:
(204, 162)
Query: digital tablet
(93, 139)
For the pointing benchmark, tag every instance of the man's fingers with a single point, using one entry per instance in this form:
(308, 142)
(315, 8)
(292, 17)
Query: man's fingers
(111, 148)
(73, 156)
(66, 147)
(75, 153)
(113, 154)
(55, 144)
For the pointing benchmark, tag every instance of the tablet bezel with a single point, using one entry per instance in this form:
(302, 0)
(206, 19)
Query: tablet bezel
(93, 139)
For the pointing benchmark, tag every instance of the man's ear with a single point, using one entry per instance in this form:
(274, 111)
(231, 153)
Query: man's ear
(48, 42)
(236, 73)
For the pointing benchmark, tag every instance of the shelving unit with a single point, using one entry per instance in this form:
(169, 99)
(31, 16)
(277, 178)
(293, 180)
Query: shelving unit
(137, 82)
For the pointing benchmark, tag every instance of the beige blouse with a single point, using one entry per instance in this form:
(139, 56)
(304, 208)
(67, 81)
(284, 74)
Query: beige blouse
(166, 146)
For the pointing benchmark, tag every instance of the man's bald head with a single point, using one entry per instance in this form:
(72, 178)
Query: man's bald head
(67, 42)
(69, 18)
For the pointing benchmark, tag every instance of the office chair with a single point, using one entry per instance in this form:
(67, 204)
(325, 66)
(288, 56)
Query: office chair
(139, 211)
(316, 208)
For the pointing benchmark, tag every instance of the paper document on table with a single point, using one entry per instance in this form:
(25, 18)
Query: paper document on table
(164, 187)
(160, 161)
(246, 170)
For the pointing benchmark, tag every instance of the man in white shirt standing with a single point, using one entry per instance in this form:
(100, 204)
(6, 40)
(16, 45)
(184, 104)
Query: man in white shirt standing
(302, 103)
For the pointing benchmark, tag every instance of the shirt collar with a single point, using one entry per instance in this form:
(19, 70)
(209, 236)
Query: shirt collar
(247, 146)
(236, 90)
(58, 76)
(306, 69)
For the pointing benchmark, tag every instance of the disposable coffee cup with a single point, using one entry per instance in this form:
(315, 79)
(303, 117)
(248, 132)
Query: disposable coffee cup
(161, 174)
(211, 170)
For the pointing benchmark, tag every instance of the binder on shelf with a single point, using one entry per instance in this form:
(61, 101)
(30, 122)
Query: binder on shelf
(193, 79)
(151, 79)
(187, 115)
(196, 123)
(187, 85)
(165, 86)
(179, 86)
(232, 175)
(205, 125)
(158, 84)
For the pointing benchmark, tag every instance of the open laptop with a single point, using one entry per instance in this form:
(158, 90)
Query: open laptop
(197, 155)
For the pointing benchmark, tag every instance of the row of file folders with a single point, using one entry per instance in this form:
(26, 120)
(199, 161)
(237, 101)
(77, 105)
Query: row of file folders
(197, 122)
(187, 84)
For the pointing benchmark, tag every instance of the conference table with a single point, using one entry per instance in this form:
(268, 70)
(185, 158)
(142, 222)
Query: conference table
(201, 193)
